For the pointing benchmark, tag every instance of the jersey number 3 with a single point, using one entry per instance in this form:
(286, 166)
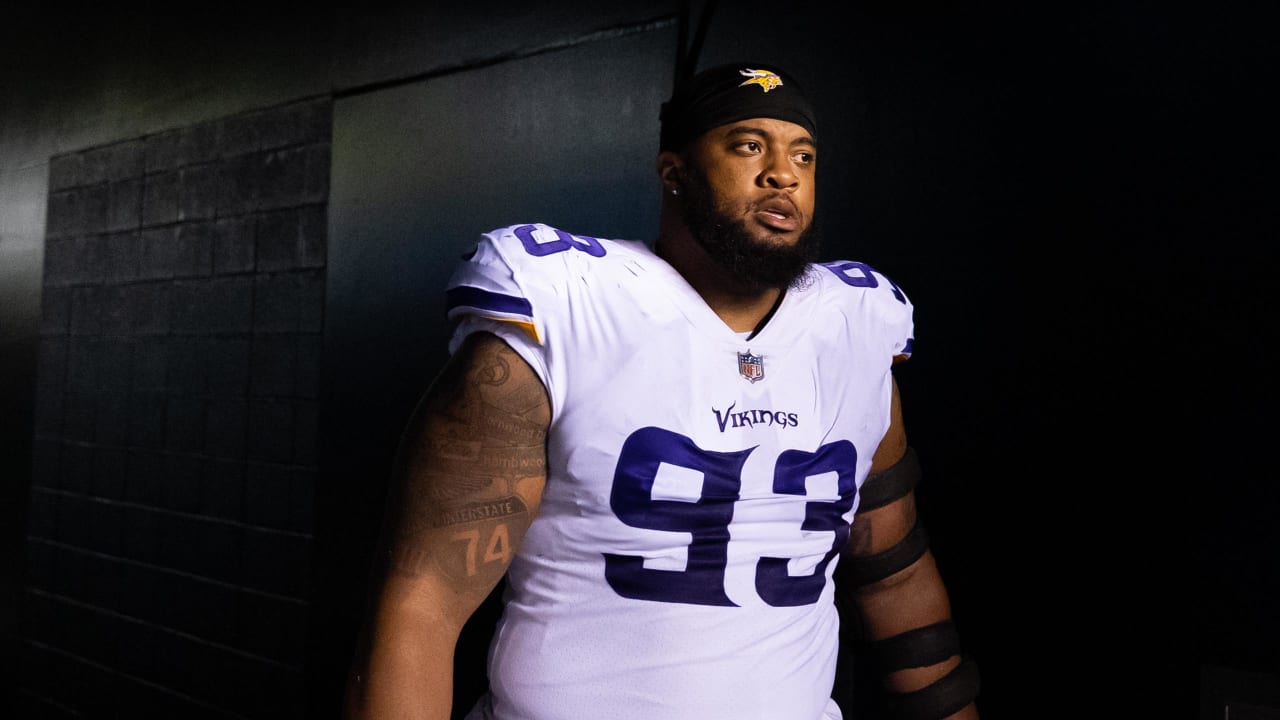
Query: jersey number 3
(707, 519)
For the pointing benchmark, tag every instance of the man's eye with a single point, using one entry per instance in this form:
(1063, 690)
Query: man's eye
(805, 158)
(750, 146)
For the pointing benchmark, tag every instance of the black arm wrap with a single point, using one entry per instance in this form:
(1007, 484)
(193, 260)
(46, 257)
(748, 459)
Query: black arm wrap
(870, 568)
(922, 646)
(891, 483)
(939, 699)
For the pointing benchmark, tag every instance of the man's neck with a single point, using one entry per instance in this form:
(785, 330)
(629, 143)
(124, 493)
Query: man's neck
(742, 309)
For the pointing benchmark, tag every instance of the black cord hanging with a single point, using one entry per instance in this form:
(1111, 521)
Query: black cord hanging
(688, 52)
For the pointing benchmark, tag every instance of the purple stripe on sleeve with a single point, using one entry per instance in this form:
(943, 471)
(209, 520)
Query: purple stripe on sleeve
(467, 296)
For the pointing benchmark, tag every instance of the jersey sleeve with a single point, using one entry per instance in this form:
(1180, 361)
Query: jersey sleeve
(900, 319)
(878, 305)
(487, 293)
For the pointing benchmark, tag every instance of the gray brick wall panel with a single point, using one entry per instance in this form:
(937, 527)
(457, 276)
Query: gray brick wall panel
(276, 303)
(267, 495)
(50, 410)
(230, 301)
(188, 364)
(150, 365)
(64, 171)
(306, 429)
(197, 192)
(180, 492)
(206, 610)
(273, 627)
(282, 176)
(96, 199)
(140, 541)
(79, 423)
(277, 563)
(222, 489)
(115, 356)
(83, 363)
(158, 248)
(70, 581)
(307, 379)
(124, 205)
(277, 239)
(315, 181)
(313, 233)
(146, 427)
(110, 471)
(274, 365)
(77, 468)
(43, 620)
(51, 364)
(184, 426)
(118, 161)
(46, 461)
(220, 305)
(120, 256)
(73, 521)
(42, 514)
(145, 481)
(238, 181)
(197, 144)
(176, 551)
(302, 500)
(112, 414)
(216, 548)
(179, 375)
(117, 312)
(242, 134)
(55, 311)
(64, 214)
(228, 369)
(160, 198)
(93, 166)
(148, 307)
(104, 535)
(84, 357)
(227, 422)
(311, 301)
(160, 151)
(59, 261)
(193, 256)
(270, 431)
(43, 568)
(87, 310)
(234, 245)
(137, 659)
(297, 124)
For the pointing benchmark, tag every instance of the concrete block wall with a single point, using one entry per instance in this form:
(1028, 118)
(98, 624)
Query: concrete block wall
(175, 449)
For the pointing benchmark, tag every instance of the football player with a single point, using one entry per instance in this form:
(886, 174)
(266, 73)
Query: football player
(671, 451)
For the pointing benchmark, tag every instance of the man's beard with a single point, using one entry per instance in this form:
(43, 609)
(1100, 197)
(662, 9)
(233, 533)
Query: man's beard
(755, 264)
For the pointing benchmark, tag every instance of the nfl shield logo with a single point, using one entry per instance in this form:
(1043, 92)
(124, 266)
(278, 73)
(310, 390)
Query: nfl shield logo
(751, 366)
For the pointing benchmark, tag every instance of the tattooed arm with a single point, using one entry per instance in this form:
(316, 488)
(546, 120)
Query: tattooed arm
(468, 479)
(912, 596)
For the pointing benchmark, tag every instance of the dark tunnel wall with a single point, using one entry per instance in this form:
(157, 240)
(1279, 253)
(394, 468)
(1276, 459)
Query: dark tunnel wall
(1024, 175)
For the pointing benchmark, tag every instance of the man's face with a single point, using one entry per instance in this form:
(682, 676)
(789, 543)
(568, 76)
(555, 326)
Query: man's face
(749, 199)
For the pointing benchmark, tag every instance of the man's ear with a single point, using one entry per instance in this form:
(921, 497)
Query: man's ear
(670, 171)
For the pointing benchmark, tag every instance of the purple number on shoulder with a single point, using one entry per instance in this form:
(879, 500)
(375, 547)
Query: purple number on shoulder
(564, 241)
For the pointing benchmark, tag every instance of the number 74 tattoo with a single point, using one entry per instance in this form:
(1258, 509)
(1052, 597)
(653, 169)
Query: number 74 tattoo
(497, 548)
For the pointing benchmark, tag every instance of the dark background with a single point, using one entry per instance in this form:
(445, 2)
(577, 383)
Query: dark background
(263, 209)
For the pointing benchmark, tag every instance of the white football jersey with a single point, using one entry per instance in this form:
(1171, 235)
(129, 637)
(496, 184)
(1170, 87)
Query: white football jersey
(699, 484)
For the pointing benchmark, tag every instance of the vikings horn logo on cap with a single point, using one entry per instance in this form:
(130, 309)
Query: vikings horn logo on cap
(720, 95)
(766, 79)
